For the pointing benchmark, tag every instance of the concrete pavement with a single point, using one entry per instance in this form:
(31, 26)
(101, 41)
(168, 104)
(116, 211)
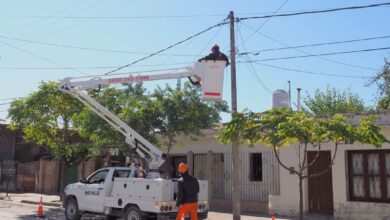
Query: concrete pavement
(24, 207)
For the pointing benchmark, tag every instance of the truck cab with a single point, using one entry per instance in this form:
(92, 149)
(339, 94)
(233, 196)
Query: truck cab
(120, 192)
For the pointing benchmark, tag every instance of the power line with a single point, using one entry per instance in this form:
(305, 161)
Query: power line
(324, 54)
(45, 17)
(266, 21)
(304, 52)
(314, 73)
(90, 67)
(250, 66)
(169, 47)
(316, 11)
(9, 99)
(114, 17)
(88, 48)
(5, 103)
(38, 56)
(290, 13)
(316, 44)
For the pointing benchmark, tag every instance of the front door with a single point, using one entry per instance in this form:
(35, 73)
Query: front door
(320, 188)
(94, 192)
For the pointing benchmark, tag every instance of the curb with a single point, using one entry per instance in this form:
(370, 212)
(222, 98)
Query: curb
(43, 203)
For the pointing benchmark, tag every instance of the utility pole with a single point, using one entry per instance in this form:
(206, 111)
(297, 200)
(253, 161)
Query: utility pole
(299, 99)
(235, 146)
(289, 94)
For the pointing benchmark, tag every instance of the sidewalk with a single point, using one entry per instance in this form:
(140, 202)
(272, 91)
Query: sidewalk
(31, 198)
(54, 201)
(255, 216)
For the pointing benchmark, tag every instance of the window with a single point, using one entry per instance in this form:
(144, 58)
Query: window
(369, 175)
(121, 174)
(175, 161)
(98, 177)
(256, 167)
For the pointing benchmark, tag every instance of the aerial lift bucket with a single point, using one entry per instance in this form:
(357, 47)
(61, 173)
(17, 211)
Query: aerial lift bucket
(212, 74)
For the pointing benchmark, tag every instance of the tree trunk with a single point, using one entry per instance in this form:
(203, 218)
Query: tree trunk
(300, 197)
(62, 177)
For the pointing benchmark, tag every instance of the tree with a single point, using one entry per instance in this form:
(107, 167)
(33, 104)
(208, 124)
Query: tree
(181, 110)
(282, 127)
(46, 117)
(168, 112)
(333, 101)
(383, 82)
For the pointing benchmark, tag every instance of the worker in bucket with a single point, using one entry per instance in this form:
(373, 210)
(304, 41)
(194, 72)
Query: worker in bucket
(215, 54)
(187, 198)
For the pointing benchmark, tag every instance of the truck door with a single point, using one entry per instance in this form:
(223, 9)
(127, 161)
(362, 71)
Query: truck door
(94, 192)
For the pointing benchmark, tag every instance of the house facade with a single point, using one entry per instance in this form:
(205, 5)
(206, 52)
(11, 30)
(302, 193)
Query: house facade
(356, 187)
(210, 160)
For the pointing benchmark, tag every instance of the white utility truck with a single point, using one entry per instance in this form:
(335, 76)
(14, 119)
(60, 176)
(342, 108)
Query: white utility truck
(127, 192)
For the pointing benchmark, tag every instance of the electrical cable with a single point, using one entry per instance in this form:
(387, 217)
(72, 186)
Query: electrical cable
(287, 13)
(8, 99)
(304, 52)
(46, 17)
(314, 73)
(91, 67)
(250, 66)
(315, 44)
(207, 44)
(40, 57)
(88, 48)
(169, 47)
(324, 54)
(266, 21)
(316, 11)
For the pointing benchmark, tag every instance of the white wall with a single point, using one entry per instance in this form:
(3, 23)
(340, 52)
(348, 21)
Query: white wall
(287, 202)
(251, 190)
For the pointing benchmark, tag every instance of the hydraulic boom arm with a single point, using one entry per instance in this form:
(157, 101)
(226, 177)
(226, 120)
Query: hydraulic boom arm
(211, 74)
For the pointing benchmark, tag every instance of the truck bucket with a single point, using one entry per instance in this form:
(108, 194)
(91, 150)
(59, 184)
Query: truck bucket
(212, 74)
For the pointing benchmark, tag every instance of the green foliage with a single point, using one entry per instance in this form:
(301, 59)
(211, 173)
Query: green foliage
(333, 101)
(283, 127)
(382, 80)
(181, 110)
(168, 111)
(53, 118)
(45, 117)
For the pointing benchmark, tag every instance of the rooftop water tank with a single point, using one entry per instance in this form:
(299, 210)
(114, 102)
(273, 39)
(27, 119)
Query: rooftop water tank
(280, 99)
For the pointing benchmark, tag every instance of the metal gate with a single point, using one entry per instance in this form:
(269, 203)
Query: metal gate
(27, 176)
(200, 166)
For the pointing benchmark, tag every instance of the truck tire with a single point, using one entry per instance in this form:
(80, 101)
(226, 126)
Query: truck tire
(72, 210)
(111, 217)
(133, 213)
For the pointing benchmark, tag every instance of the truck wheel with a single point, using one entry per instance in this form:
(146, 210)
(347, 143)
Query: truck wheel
(72, 210)
(133, 213)
(111, 217)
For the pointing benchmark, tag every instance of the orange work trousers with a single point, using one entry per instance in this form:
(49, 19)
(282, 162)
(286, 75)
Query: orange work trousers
(186, 208)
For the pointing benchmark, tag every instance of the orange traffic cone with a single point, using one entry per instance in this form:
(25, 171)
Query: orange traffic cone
(273, 217)
(40, 209)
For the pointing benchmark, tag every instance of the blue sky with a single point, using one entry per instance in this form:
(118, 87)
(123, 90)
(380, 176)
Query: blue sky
(28, 20)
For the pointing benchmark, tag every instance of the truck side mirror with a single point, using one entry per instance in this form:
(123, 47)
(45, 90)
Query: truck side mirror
(83, 180)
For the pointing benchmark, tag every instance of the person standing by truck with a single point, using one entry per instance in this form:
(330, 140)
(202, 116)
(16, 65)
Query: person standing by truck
(187, 198)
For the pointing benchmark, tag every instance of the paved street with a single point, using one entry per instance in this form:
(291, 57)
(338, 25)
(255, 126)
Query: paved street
(13, 211)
